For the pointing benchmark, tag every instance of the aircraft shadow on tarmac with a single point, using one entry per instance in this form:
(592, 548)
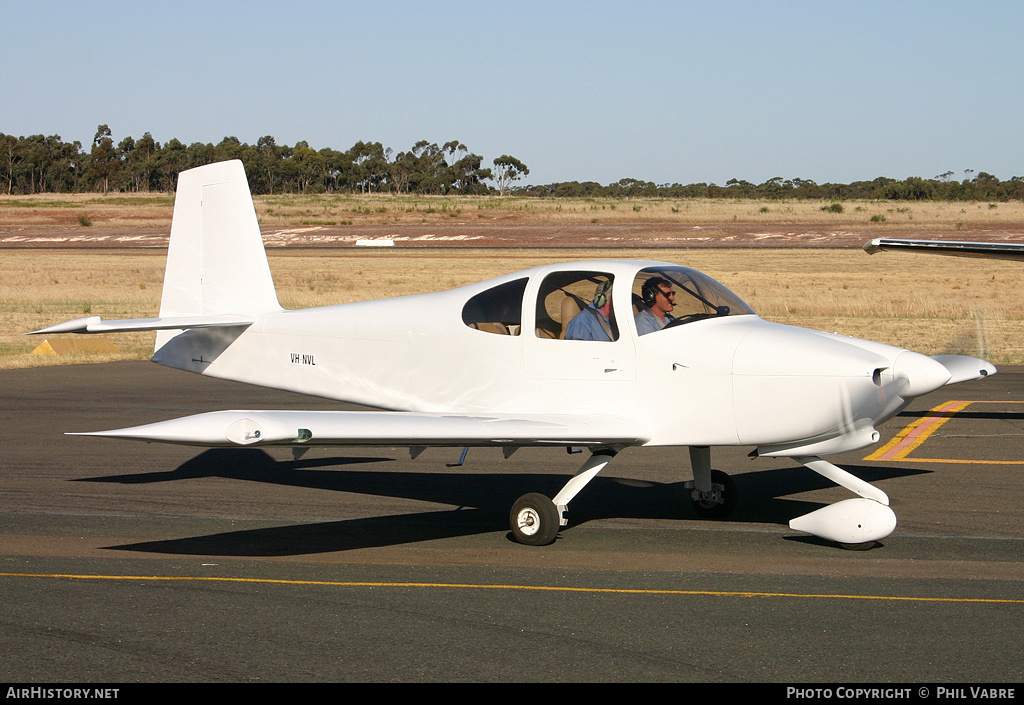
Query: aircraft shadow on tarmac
(966, 415)
(482, 500)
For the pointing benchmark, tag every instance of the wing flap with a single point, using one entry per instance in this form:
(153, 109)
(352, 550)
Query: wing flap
(374, 428)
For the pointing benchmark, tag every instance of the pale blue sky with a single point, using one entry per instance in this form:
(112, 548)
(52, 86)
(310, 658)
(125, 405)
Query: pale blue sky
(661, 91)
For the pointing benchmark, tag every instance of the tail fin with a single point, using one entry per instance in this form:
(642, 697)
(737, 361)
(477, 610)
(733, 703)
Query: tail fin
(216, 263)
(217, 282)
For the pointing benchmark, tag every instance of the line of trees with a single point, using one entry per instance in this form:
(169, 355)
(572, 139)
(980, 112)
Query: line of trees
(973, 187)
(39, 164)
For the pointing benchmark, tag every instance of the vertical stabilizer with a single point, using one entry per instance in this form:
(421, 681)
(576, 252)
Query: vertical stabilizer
(216, 263)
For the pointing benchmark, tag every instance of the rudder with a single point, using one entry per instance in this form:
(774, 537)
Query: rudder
(216, 262)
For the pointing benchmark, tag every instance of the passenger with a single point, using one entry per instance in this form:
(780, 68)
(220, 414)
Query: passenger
(595, 321)
(659, 299)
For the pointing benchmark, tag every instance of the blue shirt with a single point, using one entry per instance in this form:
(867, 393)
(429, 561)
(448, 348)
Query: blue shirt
(647, 322)
(586, 325)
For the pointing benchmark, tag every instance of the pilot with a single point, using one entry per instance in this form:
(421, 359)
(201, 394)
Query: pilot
(594, 322)
(659, 299)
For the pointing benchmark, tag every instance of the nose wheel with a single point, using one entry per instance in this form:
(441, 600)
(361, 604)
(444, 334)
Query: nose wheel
(713, 493)
(534, 520)
(718, 502)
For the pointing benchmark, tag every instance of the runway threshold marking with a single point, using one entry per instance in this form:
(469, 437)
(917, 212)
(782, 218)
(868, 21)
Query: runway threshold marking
(538, 588)
(911, 437)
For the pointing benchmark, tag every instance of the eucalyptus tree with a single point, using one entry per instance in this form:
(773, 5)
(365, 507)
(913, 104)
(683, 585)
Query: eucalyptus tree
(506, 170)
(171, 160)
(468, 175)
(369, 165)
(337, 169)
(103, 159)
(228, 148)
(138, 159)
(262, 165)
(8, 158)
(429, 169)
(401, 171)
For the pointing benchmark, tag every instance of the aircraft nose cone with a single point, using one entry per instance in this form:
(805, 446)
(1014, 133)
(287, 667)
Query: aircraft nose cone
(918, 374)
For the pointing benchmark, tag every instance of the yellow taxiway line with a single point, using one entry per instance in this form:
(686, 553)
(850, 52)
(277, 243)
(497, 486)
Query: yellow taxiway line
(911, 437)
(485, 586)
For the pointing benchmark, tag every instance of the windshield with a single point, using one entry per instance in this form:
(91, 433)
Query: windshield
(670, 296)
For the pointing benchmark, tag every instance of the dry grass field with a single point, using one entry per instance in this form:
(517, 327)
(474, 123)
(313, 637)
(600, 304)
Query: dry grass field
(153, 210)
(929, 304)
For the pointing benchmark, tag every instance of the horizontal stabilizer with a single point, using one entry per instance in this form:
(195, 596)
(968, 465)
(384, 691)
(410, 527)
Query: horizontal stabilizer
(370, 428)
(94, 324)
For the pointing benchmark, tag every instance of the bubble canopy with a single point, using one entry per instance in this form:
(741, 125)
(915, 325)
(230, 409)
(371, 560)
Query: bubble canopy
(694, 296)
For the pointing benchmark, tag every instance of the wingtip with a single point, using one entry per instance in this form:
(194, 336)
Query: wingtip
(78, 325)
(873, 246)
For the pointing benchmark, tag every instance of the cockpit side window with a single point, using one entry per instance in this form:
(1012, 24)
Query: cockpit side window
(669, 296)
(576, 306)
(498, 310)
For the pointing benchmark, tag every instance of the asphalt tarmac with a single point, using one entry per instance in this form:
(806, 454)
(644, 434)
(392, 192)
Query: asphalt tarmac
(128, 562)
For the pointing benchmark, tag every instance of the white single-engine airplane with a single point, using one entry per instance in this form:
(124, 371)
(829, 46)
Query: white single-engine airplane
(499, 364)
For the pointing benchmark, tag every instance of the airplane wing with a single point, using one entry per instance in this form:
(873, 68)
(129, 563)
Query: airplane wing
(376, 428)
(993, 250)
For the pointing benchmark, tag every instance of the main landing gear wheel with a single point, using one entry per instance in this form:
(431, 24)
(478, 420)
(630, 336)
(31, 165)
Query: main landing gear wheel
(719, 503)
(534, 520)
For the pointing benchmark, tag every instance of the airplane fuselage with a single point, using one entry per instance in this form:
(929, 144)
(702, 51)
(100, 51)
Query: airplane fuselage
(731, 380)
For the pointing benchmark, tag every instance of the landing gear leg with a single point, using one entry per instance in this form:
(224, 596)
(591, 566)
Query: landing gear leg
(854, 524)
(535, 519)
(713, 493)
